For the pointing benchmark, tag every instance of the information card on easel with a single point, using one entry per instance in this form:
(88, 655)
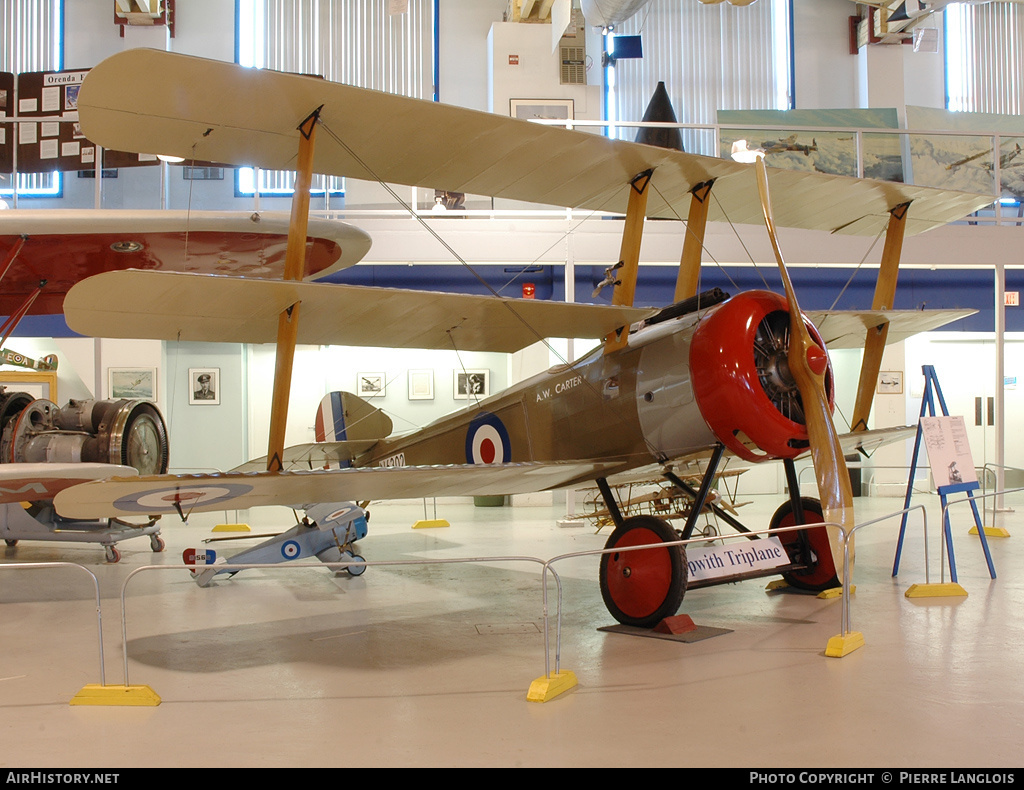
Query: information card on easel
(949, 451)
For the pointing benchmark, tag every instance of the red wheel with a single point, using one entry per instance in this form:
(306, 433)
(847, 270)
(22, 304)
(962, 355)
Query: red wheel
(113, 555)
(642, 588)
(821, 569)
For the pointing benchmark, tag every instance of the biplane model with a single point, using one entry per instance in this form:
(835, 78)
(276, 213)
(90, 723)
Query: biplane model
(702, 377)
(45, 448)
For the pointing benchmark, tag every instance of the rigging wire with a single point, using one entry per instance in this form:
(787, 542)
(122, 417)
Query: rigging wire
(857, 269)
(504, 300)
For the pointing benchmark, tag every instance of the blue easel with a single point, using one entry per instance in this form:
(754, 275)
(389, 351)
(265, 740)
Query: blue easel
(931, 391)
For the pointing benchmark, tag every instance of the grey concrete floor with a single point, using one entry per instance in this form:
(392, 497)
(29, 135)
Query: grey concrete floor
(430, 665)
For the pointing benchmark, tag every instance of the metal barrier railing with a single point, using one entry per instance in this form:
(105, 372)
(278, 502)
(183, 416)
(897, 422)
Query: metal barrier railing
(15, 566)
(340, 565)
(989, 469)
(547, 566)
(971, 500)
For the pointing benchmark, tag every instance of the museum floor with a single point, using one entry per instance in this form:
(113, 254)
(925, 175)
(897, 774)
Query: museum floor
(430, 665)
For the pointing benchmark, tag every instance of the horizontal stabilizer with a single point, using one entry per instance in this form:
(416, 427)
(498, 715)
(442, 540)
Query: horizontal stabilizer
(167, 494)
(314, 455)
(175, 306)
(135, 100)
(848, 328)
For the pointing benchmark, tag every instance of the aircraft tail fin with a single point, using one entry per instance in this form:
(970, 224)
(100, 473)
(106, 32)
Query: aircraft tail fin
(343, 416)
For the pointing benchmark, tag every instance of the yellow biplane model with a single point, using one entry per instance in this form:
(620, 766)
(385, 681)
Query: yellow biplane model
(703, 377)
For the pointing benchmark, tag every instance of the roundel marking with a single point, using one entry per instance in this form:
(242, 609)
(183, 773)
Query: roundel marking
(163, 500)
(290, 550)
(487, 441)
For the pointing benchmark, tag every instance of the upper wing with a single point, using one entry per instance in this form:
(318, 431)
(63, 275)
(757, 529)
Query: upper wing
(136, 100)
(166, 494)
(65, 246)
(172, 306)
(22, 482)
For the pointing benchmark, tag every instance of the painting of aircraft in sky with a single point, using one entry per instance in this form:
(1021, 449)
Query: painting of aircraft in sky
(704, 377)
(1004, 159)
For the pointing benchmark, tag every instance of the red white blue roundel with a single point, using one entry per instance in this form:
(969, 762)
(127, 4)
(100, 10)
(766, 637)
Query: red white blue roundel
(170, 498)
(290, 550)
(487, 441)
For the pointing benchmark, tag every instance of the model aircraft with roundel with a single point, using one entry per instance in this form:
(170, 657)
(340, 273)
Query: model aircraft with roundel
(44, 447)
(704, 377)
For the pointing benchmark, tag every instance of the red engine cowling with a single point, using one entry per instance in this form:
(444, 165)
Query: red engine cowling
(741, 377)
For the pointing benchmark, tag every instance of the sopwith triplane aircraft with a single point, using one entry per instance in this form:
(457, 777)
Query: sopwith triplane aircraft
(704, 377)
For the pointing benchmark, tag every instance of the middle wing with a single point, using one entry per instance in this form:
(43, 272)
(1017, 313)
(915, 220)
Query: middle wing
(177, 306)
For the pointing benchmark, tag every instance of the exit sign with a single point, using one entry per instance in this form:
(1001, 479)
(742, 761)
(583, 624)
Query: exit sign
(1012, 298)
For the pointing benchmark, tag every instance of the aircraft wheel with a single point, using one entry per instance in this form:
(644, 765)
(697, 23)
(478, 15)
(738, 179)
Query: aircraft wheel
(821, 571)
(156, 543)
(10, 543)
(113, 555)
(356, 570)
(642, 588)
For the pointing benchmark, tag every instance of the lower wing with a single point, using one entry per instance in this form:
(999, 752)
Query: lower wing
(184, 494)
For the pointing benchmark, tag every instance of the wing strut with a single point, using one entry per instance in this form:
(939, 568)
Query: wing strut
(693, 244)
(885, 294)
(629, 254)
(294, 269)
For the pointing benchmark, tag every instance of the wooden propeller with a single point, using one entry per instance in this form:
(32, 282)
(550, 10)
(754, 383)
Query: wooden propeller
(808, 363)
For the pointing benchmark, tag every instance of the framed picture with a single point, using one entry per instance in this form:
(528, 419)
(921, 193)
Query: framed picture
(132, 383)
(421, 385)
(204, 386)
(543, 109)
(473, 384)
(370, 385)
(38, 384)
(890, 382)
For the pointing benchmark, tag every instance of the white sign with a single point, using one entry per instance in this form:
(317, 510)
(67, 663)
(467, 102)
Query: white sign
(716, 562)
(1012, 298)
(949, 451)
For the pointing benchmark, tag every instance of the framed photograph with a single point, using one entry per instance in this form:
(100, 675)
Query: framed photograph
(370, 385)
(132, 383)
(543, 109)
(473, 384)
(421, 385)
(204, 386)
(890, 382)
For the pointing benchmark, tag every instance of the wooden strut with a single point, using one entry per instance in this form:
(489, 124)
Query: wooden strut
(294, 269)
(885, 295)
(688, 277)
(629, 254)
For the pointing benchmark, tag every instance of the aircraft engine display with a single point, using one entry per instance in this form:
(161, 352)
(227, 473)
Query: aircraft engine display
(742, 381)
(127, 432)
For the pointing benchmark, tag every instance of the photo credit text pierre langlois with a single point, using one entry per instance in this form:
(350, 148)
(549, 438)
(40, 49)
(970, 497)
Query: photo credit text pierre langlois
(884, 777)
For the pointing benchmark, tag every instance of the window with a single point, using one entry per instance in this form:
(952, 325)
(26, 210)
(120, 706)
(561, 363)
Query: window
(352, 41)
(985, 58)
(710, 57)
(32, 42)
